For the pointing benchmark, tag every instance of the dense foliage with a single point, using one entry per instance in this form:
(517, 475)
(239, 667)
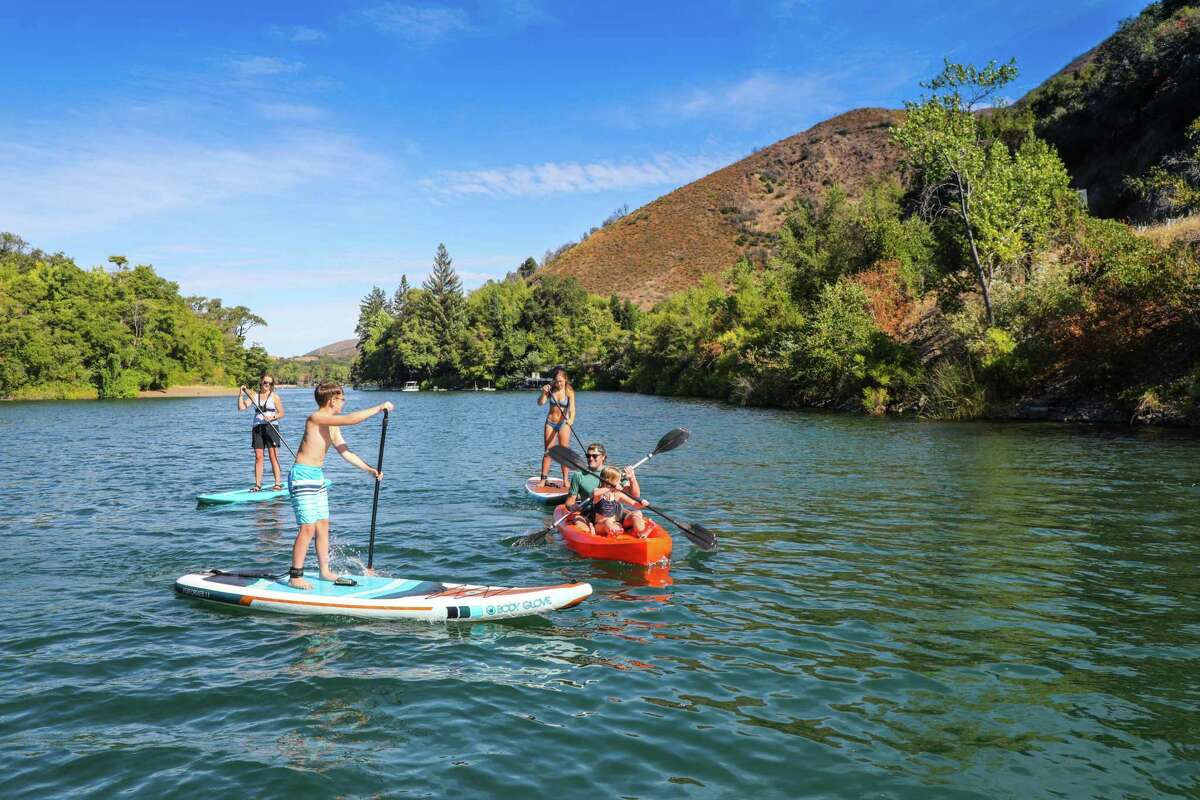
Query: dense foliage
(494, 336)
(66, 332)
(978, 284)
(1125, 106)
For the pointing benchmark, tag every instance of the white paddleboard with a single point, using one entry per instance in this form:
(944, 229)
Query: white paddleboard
(552, 492)
(378, 597)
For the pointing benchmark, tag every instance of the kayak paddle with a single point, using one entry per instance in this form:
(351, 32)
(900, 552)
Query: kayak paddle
(668, 442)
(701, 537)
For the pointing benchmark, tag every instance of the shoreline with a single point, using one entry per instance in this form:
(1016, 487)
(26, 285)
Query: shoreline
(194, 390)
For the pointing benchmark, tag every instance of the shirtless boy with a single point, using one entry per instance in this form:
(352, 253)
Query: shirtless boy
(306, 481)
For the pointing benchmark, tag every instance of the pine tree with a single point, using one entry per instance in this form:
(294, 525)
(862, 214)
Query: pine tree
(399, 304)
(368, 309)
(445, 301)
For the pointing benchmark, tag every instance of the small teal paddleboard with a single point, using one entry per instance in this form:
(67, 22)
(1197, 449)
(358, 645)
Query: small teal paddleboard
(244, 496)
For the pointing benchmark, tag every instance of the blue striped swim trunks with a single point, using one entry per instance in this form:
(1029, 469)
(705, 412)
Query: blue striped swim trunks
(310, 498)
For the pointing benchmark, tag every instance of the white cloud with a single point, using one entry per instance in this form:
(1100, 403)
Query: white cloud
(760, 95)
(55, 188)
(428, 24)
(564, 178)
(290, 112)
(297, 33)
(261, 66)
(415, 22)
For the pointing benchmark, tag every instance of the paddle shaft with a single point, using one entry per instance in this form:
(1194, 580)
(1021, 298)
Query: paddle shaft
(269, 422)
(375, 501)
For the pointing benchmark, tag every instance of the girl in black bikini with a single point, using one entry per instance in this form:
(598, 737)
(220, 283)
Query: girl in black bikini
(559, 419)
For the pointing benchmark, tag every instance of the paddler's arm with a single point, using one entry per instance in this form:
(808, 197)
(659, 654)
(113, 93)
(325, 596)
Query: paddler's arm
(353, 418)
(634, 490)
(571, 413)
(278, 409)
(243, 398)
(339, 444)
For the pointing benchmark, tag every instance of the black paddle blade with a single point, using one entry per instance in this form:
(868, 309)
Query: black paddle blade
(700, 536)
(567, 456)
(535, 538)
(672, 440)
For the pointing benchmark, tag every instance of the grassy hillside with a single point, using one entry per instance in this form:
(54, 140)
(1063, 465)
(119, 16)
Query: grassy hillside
(343, 350)
(702, 229)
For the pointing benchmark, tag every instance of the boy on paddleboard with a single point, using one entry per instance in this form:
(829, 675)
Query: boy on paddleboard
(306, 480)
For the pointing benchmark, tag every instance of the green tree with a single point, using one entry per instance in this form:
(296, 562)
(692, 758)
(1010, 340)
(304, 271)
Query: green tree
(527, 268)
(399, 304)
(1000, 205)
(1173, 187)
(443, 306)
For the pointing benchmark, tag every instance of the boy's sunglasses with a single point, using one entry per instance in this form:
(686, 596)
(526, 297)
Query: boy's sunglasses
(595, 455)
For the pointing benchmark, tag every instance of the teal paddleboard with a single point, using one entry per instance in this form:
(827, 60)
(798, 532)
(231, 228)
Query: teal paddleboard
(244, 496)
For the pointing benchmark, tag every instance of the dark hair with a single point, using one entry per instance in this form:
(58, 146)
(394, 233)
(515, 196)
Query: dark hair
(326, 391)
(597, 446)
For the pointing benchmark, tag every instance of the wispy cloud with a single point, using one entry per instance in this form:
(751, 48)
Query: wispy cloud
(416, 22)
(297, 33)
(367, 271)
(428, 24)
(757, 96)
(563, 178)
(291, 112)
(56, 188)
(261, 66)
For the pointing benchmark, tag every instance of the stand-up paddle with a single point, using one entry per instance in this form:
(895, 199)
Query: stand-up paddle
(375, 501)
(700, 536)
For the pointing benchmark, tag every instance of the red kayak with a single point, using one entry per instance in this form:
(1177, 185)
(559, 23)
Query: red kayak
(627, 547)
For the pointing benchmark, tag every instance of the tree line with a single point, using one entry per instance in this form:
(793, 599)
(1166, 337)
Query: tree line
(967, 283)
(66, 332)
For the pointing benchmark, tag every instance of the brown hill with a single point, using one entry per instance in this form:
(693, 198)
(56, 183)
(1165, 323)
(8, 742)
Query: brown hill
(703, 228)
(345, 349)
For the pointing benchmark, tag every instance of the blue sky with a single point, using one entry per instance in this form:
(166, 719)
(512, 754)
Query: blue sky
(287, 156)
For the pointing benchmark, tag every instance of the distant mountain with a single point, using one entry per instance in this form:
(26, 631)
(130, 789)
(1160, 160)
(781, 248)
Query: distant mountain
(705, 227)
(345, 349)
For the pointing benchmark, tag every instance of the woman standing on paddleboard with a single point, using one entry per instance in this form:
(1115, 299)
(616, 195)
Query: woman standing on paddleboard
(268, 409)
(559, 418)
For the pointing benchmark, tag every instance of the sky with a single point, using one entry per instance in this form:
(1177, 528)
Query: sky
(288, 156)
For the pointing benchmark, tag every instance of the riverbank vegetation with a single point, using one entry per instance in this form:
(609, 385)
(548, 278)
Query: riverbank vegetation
(70, 333)
(973, 283)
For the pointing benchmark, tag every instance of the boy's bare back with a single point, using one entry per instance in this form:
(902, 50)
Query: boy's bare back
(322, 430)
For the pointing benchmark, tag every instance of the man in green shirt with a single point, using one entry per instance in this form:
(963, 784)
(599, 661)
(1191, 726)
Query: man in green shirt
(584, 484)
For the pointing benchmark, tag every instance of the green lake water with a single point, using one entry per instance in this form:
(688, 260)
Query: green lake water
(897, 610)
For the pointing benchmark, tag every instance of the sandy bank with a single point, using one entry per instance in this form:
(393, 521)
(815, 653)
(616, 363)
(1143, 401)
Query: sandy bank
(191, 391)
